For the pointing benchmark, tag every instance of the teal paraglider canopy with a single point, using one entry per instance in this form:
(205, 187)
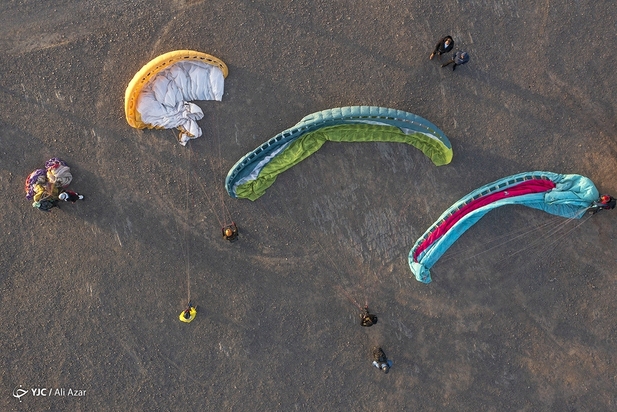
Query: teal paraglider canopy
(565, 195)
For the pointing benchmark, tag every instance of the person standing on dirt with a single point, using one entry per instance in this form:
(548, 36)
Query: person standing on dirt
(367, 319)
(460, 57)
(380, 360)
(444, 46)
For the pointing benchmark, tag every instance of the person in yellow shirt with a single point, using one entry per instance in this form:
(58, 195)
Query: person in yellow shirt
(188, 314)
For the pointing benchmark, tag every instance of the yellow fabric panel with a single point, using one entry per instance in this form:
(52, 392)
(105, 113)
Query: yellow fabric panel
(193, 313)
(47, 191)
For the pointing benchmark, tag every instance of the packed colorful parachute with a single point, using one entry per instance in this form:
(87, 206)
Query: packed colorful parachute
(160, 94)
(56, 172)
(562, 195)
(256, 171)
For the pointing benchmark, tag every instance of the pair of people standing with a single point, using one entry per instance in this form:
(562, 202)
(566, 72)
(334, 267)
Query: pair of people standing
(446, 45)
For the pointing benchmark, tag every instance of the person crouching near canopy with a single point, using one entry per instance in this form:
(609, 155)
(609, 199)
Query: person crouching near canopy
(188, 314)
(367, 319)
(47, 194)
(380, 360)
(230, 232)
(606, 202)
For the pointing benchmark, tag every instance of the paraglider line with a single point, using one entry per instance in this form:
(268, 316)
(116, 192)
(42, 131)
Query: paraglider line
(509, 237)
(546, 246)
(186, 242)
(363, 283)
(539, 240)
(328, 257)
(218, 205)
(352, 300)
(209, 200)
(339, 274)
(215, 211)
(220, 169)
(203, 188)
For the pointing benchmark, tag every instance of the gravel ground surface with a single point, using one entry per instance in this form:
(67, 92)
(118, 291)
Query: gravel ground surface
(90, 293)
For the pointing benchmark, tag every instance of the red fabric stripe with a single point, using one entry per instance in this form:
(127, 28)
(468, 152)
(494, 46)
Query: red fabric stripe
(523, 188)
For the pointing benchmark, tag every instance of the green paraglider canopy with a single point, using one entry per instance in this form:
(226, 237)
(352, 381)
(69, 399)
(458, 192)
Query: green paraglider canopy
(257, 170)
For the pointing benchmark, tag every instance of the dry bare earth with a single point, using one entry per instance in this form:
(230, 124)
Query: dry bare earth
(90, 293)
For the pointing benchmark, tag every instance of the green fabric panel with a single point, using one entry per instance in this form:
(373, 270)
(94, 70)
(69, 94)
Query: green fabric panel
(309, 143)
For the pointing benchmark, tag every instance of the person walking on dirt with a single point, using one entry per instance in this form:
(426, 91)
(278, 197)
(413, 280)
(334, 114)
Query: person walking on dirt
(367, 319)
(380, 360)
(444, 46)
(460, 57)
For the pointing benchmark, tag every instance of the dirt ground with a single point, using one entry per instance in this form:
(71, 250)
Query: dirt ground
(90, 293)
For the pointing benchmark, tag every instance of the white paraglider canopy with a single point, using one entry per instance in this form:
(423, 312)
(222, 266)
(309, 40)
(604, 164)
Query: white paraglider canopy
(160, 94)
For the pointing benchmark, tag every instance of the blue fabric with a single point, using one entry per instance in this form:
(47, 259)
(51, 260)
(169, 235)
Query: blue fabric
(570, 198)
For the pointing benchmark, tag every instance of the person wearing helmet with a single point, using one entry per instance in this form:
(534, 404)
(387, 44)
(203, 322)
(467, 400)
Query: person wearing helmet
(606, 202)
(367, 319)
(460, 57)
(380, 360)
(230, 232)
(70, 196)
(188, 314)
(444, 46)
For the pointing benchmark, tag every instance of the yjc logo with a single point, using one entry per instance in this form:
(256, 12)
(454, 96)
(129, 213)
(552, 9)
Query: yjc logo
(19, 392)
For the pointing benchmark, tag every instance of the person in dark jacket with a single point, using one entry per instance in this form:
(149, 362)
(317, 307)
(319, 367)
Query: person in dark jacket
(460, 57)
(444, 46)
(230, 232)
(606, 202)
(367, 319)
(70, 196)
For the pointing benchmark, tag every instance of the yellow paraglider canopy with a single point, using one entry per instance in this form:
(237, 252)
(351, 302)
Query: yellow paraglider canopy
(151, 69)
